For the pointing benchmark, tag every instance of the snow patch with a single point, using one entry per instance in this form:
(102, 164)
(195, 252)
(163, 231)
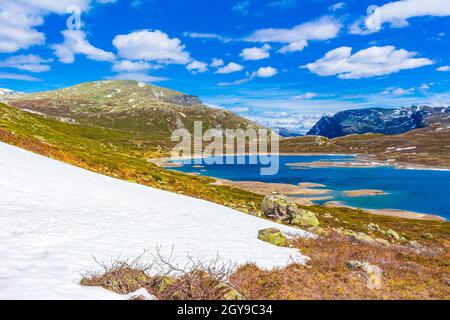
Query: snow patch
(55, 217)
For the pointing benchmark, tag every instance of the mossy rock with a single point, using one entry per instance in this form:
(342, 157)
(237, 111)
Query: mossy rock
(393, 234)
(305, 218)
(273, 236)
(278, 206)
(427, 236)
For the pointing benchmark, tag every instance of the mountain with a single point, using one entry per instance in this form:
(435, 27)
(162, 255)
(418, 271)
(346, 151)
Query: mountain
(379, 120)
(129, 105)
(286, 133)
(6, 93)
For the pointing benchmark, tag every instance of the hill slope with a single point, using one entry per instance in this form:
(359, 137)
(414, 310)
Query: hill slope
(379, 120)
(71, 214)
(129, 105)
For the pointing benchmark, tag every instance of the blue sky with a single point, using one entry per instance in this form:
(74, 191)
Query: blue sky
(280, 62)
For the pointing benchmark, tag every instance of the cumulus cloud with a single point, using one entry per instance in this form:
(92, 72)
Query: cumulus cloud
(75, 42)
(151, 46)
(197, 66)
(265, 72)
(217, 62)
(133, 66)
(256, 53)
(29, 62)
(297, 38)
(443, 69)
(397, 14)
(371, 62)
(20, 18)
(294, 47)
(230, 68)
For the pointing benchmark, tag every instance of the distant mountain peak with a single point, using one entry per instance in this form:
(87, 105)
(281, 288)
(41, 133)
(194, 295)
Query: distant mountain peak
(8, 92)
(379, 120)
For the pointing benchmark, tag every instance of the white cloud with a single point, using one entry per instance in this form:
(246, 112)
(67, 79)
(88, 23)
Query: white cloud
(398, 91)
(242, 7)
(197, 66)
(337, 6)
(297, 38)
(230, 68)
(75, 43)
(294, 47)
(20, 18)
(443, 69)
(198, 35)
(138, 76)
(256, 53)
(30, 62)
(151, 46)
(398, 13)
(217, 62)
(371, 62)
(306, 95)
(265, 72)
(16, 76)
(133, 66)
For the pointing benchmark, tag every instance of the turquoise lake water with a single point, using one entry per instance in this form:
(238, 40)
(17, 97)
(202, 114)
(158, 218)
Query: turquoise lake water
(424, 191)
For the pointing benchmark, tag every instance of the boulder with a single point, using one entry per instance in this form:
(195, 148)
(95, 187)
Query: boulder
(273, 236)
(373, 274)
(279, 207)
(374, 227)
(391, 233)
(305, 218)
(428, 236)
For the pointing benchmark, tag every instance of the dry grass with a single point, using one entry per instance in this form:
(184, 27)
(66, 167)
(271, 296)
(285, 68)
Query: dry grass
(408, 274)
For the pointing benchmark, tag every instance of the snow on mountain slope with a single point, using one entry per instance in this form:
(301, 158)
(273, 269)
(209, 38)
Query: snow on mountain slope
(55, 217)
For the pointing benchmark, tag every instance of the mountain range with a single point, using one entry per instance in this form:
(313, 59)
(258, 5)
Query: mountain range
(379, 120)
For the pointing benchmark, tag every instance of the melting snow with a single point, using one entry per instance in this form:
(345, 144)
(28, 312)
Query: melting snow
(54, 217)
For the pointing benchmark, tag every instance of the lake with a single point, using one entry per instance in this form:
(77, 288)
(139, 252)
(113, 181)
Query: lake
(423, 191)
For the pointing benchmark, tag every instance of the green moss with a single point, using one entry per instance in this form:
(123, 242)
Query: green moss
(273, 236)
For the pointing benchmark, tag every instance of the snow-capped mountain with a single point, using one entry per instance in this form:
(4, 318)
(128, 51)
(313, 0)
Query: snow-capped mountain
(7, 92)
(379, 120)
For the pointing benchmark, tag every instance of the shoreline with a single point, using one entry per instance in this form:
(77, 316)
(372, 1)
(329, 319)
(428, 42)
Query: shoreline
(308, 190)
(362, 161)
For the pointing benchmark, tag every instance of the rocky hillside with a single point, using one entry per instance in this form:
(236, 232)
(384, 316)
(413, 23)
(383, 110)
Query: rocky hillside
(379, 120)
(128, 105)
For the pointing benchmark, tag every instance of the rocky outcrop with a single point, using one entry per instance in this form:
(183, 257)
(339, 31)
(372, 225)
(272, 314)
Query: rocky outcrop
(305, 218)
(378, 120)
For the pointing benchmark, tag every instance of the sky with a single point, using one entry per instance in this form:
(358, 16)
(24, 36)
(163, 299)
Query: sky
(282, 63)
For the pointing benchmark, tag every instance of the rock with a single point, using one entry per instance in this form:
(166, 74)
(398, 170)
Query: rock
(279, 207)
(305, 218)
(391, 233)
(383, 242)
(317, 230)
(414, 244)
(374, 227)
(327, 215)
(229, 293)
(427, 236)
(356, 236)
(273, 236)
(372, 273)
